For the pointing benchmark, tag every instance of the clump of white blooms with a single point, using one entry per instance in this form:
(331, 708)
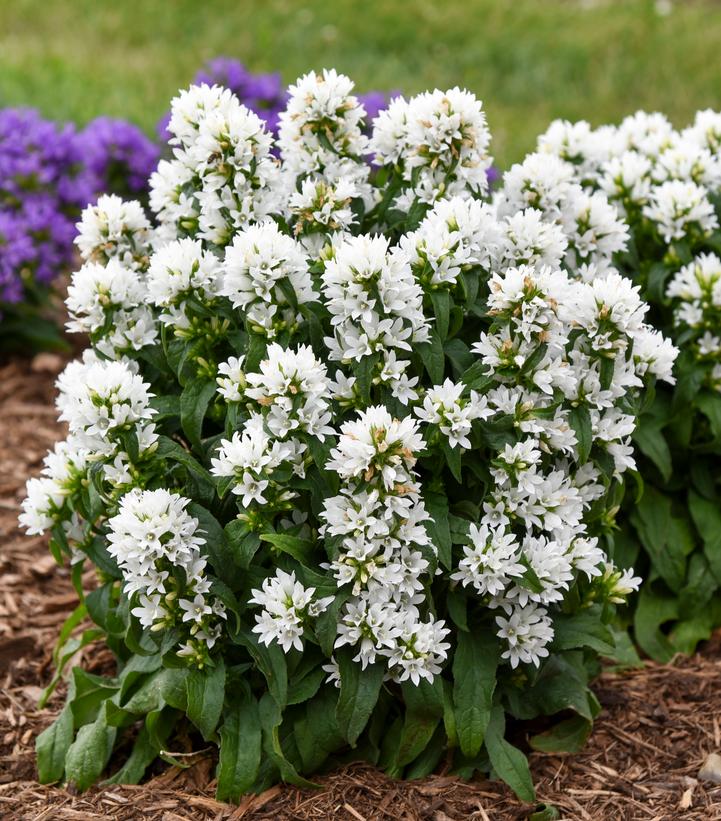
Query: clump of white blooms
(320, 133)
(439, 140)
(152, 537)
(378, 387)
(695, 292)
(115, 229)
(665, 184)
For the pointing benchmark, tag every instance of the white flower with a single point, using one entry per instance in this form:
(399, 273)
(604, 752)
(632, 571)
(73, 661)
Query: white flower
(680, 209)
(646, 133)
(257, 265)
(441, 140)
(490, 562)
(114, 229)
(445, 406)
(293, 391)
(232, 382)
(593, 227)
(578, 144)
(101, 398)
(527, 632)
(377, 446)
(287, 606)
(542, 182)
(529, 239)
(251, 456)
(456, 235)
(320, 130)
(179, 271)
(99, 293)
(373, 298)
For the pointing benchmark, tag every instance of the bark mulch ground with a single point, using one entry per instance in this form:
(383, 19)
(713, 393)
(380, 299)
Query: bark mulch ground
(657, 728)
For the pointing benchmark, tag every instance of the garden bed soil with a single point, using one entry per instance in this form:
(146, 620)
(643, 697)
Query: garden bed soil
(657, 727)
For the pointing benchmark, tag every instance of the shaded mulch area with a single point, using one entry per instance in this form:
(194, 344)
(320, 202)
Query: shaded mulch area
(657, 728)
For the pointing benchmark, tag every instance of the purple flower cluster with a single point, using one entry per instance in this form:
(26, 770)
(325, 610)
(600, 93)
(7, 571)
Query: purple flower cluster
(48, 173)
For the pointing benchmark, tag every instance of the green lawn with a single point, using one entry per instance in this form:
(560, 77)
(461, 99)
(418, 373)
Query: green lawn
(529, 60)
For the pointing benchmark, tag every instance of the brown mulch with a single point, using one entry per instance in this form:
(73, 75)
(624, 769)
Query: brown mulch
(657, 728)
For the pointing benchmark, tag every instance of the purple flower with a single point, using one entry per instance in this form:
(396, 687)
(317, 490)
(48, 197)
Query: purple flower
(48, 173)
(119, 155)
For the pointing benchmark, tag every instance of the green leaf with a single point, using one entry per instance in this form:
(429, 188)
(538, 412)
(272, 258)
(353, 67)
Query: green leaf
(316, 733)
(453, 460)
(359, 691)
(442, 309)
(300, 549)
(271, 662)
(433, 358)
(194, 403)
(509, 763)
(89, 754)
(167, 407)
(220, 553)
(438, 527)
(270, 719)
(546, 812)
(70, 648)
(568, 736)
(364, 370)
(168, 449)
(145, 750)
(424, 710)
(652, 611)
(652, 443)
(240, 750)
(710, 406)
(243, 543)
(206, 694)
(52, 745)
(580, 420)
(474, 682)
(477, 376)
(707, 518)
(667, 539)
(304, 689)
(583, 629)
(459, 355)
(90, 692)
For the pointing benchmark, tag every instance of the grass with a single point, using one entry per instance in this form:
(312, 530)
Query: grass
(529, 60)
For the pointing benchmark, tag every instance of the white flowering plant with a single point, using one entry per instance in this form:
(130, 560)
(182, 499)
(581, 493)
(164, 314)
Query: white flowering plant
(666, 184)
(346, 450)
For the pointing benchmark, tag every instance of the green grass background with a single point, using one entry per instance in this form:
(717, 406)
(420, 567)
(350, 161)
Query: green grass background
(529, 60)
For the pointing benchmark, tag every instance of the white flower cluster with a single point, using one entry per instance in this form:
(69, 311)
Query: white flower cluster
(260, 266)
(151, 538)
(287, 606)
(377, 521)
(288, 398)
(532, 539)
(115, 229)
(107, 297)
(585, 225)
(696, 294)
(376, 308)
(320, 132)
(102, 402)
(219, 178)
(647, 168)
(440, 141)
(486, 354)
(666, 184)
